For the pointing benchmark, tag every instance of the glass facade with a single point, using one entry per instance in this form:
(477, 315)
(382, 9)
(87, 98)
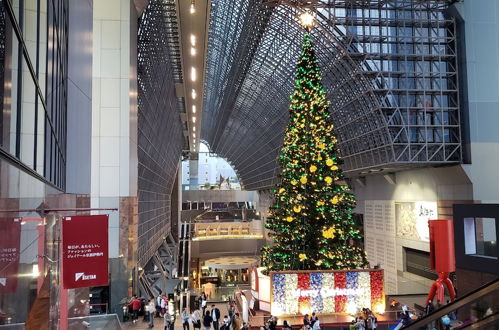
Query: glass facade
(33, 93)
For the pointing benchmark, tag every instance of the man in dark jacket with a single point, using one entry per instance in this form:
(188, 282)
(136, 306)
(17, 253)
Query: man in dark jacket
(215, 316)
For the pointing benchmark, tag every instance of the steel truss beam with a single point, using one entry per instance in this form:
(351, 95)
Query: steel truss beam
(389, 68)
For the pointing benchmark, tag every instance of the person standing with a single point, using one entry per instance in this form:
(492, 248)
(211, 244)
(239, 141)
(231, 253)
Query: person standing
(196, 319)
(215, 316)
(286, 325)
(316, 325)
(237, 322)
(306, 322)
(136, 304)
(204, 303)
(429, 307)
(207, 321)
(313, 318)
(164, 305)
(185, 319)
(158, 304)
(168, 320)
(151, 308)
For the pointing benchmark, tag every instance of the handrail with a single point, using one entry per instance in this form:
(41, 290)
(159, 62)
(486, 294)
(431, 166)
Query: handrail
(466, 299)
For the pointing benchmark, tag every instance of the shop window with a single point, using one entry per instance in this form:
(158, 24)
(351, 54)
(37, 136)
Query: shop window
(202, 232)
(234, 231)
(480, 238)
(224, 231)
(212, 232)
(245, 231)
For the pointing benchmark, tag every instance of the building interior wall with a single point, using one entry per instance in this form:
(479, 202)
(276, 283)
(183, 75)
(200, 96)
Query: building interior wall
(376, 199)
(481, 23)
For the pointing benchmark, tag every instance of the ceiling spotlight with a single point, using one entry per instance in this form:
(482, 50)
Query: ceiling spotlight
(193, 51)
(193, 128)
(193, 108)
(194, 135)
(193, 74)
(193, 94)
(307, 19)
(193, 119)
(193, 40)
(192, 8)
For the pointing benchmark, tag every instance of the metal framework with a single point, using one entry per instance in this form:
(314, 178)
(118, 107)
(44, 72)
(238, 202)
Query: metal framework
(389, 68)
(160, 137)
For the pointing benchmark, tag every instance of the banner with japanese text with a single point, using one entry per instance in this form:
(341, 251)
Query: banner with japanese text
(10, 239)
(85, 251)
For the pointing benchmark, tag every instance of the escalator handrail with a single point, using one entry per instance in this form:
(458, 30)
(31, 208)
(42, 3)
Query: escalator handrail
(458, 303)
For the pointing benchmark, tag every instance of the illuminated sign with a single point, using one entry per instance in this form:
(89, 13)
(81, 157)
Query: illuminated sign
(304, 292)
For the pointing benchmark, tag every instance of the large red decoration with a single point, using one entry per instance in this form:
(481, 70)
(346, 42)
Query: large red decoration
(85, 251)
(442, 258)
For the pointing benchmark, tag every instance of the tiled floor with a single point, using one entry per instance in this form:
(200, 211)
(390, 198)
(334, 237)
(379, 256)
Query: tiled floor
(159, 323)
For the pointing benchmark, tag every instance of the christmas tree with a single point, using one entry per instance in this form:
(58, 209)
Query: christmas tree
(311, 221)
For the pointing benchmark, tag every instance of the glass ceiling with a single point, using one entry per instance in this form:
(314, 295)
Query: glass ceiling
(389, 68)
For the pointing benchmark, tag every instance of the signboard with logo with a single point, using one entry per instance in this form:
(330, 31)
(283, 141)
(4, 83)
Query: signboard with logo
(327, 292)
(85, 251)
(10, 238)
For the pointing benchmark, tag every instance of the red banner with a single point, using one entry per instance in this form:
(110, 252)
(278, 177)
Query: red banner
(85, 251)
(10, 238)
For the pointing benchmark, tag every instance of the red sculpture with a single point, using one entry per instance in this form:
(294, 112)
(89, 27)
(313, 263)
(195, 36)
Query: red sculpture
(442, 258)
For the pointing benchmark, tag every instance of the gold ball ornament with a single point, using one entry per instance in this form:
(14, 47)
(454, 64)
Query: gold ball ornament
(303, 179)
(297, 208)
(329, 162)
(294, 182)
(289, 219)
(335, 200)
(313, 168)
(328, 179)
(334, 167)
(302, 256)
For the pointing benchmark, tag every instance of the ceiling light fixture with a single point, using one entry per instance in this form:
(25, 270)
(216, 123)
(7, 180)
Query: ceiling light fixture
(193, 128)
(307, 19)
(193, 51)
(193, 74)
(192, 8)
(193, 94)
(193, 119)
(193, 108)
(193, 40)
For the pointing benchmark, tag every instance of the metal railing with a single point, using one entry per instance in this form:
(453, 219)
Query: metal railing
(96, 322)
(479, 309)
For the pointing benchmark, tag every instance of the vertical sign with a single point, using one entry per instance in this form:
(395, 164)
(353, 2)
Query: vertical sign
(85, 251)
(10, 238)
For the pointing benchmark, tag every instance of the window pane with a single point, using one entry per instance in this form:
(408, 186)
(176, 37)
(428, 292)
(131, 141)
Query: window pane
(486, 240)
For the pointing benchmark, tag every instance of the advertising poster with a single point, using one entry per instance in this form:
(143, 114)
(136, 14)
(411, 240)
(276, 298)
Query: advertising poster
(85, 251)
(412, 219)
(10, 234)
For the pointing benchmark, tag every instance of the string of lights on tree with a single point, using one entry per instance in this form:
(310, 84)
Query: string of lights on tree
(311, 221)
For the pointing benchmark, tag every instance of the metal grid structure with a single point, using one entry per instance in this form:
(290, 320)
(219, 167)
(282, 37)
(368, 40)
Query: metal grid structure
(160, 135)
(389, 68)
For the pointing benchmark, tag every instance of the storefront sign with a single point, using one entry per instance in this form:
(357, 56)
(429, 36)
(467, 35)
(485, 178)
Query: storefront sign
(85, 251)
(304, 292)
(10, 238)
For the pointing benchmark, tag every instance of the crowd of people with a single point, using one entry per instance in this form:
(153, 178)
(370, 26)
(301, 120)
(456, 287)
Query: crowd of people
(365, 321)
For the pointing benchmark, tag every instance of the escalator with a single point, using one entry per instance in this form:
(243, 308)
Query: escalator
(479, 309)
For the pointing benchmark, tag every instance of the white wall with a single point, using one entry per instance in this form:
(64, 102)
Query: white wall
(376, 200)
(481, 19)
(114, 136)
